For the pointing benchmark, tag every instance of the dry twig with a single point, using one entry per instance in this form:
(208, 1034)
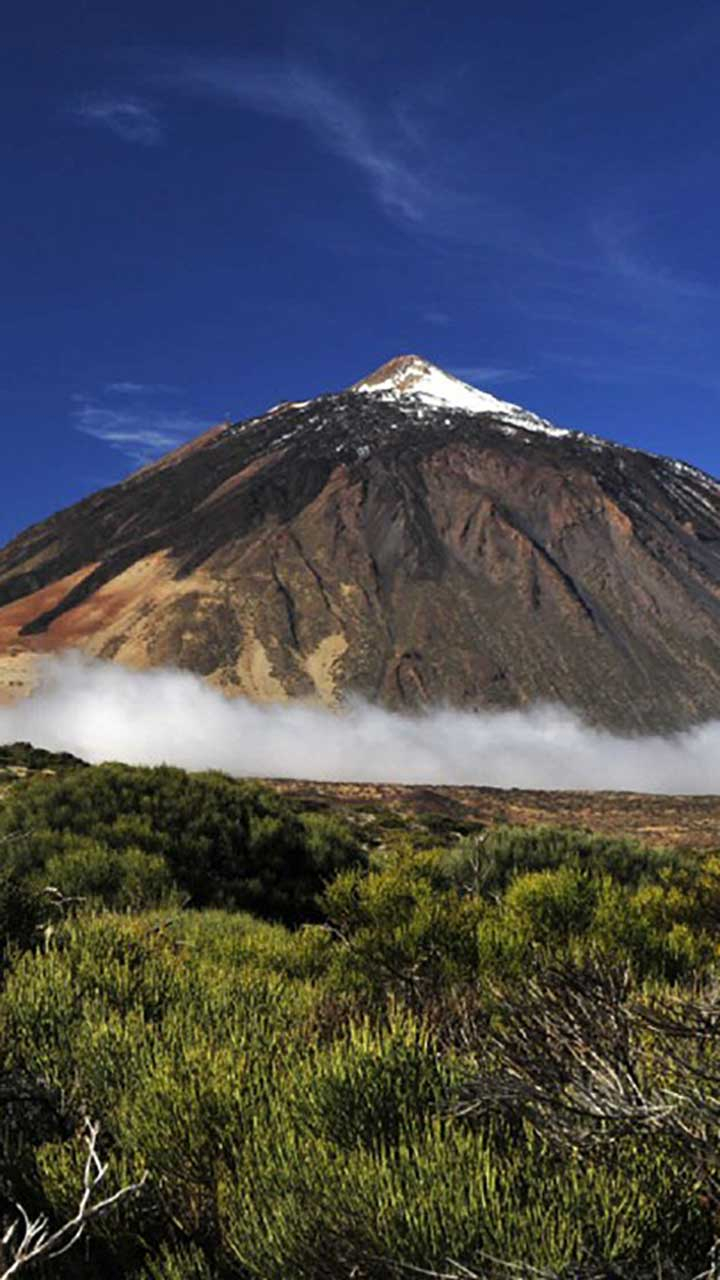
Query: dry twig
(38, 1241)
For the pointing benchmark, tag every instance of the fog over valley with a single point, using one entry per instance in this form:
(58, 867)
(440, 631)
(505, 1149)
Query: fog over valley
(101, 711)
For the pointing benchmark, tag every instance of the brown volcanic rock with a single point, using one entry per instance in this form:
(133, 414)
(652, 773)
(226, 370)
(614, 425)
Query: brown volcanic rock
(409, 540)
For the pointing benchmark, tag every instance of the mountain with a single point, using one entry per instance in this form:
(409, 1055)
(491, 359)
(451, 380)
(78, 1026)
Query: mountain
(412, 540)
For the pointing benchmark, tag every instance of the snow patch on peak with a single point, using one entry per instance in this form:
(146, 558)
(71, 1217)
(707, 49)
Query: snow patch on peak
(410, 378)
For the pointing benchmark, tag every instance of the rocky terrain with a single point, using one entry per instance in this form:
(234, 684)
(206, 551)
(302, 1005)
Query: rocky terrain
(680, 822)
(411, 540)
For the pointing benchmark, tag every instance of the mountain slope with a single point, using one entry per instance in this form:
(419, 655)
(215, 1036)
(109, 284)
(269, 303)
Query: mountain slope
(411, 540)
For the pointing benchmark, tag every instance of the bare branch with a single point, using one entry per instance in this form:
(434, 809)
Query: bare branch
(61, 901)
(37, 1241)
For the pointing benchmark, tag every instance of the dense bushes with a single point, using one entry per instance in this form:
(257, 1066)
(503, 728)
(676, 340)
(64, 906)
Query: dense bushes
(288, 1135)
(353, 1095)
(126, 837)
(491, 861)
(21, 914)
(23, 755)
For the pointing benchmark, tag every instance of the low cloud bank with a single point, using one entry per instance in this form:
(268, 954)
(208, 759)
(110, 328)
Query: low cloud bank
(104, 712)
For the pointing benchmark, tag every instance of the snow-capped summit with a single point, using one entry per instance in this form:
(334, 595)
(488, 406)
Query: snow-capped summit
(412, 377)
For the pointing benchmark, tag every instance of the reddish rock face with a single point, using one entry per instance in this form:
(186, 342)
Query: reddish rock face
(396, 545)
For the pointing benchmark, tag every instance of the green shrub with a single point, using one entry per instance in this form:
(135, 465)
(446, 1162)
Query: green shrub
(492, 862)
(22, 912)
(403, 929)
(368, 1086)
(555, 905)
(184, 1262)
(124, 878)
(448, 1192)
(221, 842)
(299, 1096)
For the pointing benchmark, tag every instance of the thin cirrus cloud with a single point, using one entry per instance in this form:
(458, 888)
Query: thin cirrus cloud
(127, 118)
(440, 319)
(298, 94)
(140, 433)
(479, 373)
(139, 388)
(405, 169)
(651, 282)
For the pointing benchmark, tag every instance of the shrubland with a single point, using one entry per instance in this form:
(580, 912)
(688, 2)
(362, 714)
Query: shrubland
(344, 1060)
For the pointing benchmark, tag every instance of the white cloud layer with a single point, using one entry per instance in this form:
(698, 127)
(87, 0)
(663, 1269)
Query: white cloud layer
(104, 712)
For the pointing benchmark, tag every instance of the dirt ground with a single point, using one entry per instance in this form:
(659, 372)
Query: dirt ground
(678, 821)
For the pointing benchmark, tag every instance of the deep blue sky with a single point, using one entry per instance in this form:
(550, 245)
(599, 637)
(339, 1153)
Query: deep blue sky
(207, 208)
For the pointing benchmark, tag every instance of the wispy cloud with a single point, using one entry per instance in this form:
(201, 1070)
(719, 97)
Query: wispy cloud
(477, 373)
(439, 318)
(423, 172)
(139, 432)
(127, 118)
(413, 174)
(618, 238)
(301, 95)
(139, 388)
(612, 369)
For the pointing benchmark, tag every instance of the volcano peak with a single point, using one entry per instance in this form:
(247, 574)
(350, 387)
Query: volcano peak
(412, 378)
(402, 372)
(411, 540)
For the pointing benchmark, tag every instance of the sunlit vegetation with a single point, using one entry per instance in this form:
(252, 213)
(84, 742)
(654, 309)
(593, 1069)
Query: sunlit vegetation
(339, 1060)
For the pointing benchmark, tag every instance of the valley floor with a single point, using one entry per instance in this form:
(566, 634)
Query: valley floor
(682, 822)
